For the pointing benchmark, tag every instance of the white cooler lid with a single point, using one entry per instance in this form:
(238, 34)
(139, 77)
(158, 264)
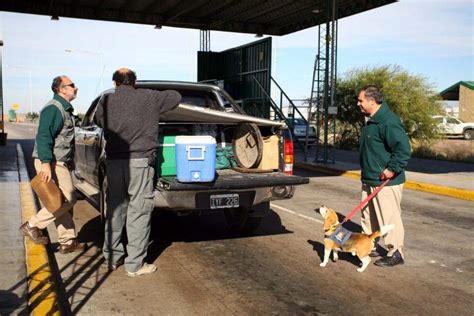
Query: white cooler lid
(201, 139)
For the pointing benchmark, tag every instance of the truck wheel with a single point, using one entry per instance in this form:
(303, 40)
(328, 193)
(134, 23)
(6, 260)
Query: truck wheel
(103, 198)
(468, 134)
(239, 220)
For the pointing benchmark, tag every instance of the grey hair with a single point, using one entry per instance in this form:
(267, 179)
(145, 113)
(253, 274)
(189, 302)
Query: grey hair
(57, 81)
(372, 91)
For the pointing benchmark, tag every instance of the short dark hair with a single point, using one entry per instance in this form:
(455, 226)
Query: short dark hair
(57, 81)
(125, 77)
(372, 91)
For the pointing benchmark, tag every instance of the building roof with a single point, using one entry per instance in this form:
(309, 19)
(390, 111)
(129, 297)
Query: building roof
(271, 17)
(452, 93)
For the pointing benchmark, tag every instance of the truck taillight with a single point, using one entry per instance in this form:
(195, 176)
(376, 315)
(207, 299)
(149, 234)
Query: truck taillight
(288, 152)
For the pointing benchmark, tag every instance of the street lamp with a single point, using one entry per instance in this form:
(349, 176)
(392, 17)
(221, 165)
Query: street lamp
(102, 65)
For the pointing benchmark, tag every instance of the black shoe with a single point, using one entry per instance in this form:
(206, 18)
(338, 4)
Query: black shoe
(390, 261)
(374, 253)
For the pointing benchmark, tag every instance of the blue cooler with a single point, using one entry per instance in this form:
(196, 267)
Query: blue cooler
(195, 158)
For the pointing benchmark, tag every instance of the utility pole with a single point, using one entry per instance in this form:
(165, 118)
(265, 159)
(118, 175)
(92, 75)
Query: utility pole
(3, 136)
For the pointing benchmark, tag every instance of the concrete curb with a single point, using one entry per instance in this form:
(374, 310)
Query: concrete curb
(42, 296)
(411, 185)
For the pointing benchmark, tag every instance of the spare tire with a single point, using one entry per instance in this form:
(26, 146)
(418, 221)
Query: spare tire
(247, 144)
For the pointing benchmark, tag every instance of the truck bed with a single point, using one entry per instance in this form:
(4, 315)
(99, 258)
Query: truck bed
(230, 179)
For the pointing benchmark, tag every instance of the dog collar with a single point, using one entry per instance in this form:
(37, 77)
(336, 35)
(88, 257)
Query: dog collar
(332, 228)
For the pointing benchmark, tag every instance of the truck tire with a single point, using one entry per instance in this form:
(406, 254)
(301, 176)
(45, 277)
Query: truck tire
(468, 134)
(238, 220)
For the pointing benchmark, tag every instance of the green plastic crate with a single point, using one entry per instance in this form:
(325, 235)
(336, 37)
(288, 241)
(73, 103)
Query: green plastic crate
(166, 156)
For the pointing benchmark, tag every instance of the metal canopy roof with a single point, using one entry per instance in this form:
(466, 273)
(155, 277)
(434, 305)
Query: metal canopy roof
(272, 17)
(452, 93)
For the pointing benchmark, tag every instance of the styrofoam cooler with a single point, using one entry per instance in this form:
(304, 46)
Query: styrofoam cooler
(195, 158)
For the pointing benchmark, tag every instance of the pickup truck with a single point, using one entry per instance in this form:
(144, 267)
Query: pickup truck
(451, 126)
(243, 197)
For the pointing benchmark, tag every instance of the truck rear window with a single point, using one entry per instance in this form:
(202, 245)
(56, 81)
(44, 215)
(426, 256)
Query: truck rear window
(201, 99)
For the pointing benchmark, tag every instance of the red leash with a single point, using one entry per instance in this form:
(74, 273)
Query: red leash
(367, 199)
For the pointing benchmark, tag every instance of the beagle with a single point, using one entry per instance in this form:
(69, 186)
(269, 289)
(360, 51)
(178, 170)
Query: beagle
(358, 244)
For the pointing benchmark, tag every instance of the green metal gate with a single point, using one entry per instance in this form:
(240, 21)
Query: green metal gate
(238, 70)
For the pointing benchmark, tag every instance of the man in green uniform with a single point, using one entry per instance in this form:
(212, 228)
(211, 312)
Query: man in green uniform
(384, 153)
(53, 158)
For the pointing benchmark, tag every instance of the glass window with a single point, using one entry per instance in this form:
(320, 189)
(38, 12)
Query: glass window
(452, 120)
(438, 120)
(298, 121)
(89, 117)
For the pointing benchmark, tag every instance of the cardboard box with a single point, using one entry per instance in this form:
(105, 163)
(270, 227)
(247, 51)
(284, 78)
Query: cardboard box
(270, 155)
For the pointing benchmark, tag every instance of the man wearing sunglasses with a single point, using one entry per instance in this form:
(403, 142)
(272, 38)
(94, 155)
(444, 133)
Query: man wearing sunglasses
(53, 156)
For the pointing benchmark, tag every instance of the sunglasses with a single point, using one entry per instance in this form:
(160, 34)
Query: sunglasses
(72, 85)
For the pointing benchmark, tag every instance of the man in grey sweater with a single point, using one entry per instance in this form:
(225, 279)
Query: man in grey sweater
(130, 119)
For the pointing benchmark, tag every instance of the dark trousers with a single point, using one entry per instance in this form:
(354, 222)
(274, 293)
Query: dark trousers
(130, 202)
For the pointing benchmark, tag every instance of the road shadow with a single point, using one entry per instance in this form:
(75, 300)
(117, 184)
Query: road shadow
(344, 256)
(84, 272)
(168, 228)
(79, 278)
(27, 146)
(12, 304)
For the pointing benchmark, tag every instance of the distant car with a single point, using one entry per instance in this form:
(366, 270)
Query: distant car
(300, 130)
(451, 126)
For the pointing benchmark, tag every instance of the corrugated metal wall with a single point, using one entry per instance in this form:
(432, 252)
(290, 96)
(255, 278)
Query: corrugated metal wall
(239, 67)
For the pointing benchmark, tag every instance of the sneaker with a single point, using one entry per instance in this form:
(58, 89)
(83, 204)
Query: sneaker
(33, 233)
(145, 269)
(74, 246)
(394, 260)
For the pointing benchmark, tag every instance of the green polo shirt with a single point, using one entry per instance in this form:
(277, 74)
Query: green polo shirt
(50, 125)
(383, 144)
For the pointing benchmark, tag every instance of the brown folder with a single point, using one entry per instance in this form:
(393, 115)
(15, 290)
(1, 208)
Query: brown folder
(48, 193)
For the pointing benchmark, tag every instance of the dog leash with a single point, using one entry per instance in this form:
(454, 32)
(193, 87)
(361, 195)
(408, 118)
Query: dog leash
(365, 201)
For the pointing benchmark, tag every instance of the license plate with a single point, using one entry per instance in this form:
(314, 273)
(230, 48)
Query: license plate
(224, 200)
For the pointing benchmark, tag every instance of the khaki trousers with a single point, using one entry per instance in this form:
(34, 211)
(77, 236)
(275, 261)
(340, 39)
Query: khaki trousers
(63, 217)
(384, 209)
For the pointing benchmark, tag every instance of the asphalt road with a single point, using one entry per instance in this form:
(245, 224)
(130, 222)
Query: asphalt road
(204, 269)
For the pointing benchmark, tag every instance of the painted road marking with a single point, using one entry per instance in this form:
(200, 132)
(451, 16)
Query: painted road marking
(411, 185)
(42, 298)
(297, 214)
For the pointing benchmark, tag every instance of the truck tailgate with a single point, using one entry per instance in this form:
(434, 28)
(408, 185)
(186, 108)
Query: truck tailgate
(231, 179)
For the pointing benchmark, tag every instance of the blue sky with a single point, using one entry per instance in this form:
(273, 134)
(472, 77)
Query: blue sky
(432, 38)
